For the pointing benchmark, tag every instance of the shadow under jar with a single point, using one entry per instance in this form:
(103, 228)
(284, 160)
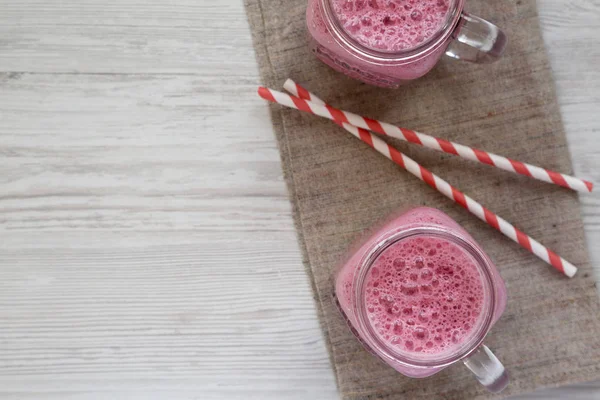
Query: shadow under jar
(421, 295)
(391, 42)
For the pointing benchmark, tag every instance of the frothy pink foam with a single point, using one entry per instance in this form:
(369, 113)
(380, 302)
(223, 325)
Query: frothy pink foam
(424, 295)
(391, 25)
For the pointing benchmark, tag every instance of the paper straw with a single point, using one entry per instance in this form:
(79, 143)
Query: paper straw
(299, 91)
(451, 192)
(326, 111)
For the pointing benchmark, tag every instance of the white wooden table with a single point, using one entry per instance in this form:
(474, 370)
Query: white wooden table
(146, 244)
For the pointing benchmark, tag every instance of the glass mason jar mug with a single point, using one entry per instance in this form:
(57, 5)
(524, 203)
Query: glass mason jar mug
(389, 42)
(420, 294)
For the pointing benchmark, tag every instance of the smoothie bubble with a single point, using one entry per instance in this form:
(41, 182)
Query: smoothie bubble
(399, 264)
(416, 15)
(419, 262)
(426, 289)
(398, 327)
(426, 275)
(409, 289)
(420, 333)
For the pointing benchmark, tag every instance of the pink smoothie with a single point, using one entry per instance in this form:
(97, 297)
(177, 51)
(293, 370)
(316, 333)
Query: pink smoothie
(391, 25)
(424, 295)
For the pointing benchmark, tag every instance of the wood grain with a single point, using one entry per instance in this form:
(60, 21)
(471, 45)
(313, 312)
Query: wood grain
(146, 243)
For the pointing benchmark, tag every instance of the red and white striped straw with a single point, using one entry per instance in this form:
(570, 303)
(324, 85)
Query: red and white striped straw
(329, 112)
(449, 191)
(299, 91)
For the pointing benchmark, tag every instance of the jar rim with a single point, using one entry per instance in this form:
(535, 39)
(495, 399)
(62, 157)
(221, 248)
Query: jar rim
(386, 351)
(345, 40)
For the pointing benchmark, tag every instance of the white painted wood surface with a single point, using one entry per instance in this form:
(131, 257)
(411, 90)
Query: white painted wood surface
(146, 244)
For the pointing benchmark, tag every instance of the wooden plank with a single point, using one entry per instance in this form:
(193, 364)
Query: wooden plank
(137, 316)
(187, 37)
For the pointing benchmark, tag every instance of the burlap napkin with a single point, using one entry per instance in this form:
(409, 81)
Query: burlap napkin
(550, 333)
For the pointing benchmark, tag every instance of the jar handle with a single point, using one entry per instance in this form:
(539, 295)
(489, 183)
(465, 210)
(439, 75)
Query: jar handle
(477, 40)
(488, 370)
